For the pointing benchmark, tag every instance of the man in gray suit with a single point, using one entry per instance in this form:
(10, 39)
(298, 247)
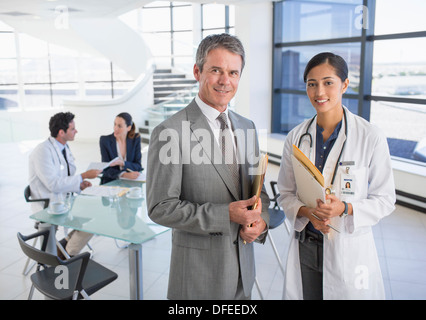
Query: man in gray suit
(203, 194)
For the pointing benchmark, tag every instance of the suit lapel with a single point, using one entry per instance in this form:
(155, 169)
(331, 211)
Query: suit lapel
(198, 125)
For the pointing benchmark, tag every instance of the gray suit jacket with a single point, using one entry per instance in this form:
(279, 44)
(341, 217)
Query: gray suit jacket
(189, 191)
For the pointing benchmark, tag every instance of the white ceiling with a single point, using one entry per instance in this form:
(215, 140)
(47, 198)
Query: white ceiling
(50, 9)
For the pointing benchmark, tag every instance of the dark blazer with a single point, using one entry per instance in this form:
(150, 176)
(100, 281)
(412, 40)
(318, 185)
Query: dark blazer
(108, 145)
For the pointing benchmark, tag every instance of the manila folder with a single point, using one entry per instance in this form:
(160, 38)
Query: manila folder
(308, 188)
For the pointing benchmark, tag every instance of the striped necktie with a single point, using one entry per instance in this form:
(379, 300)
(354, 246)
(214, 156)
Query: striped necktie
(228, 154)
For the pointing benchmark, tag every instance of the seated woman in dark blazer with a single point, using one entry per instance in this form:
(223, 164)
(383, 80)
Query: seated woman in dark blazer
(124, 143)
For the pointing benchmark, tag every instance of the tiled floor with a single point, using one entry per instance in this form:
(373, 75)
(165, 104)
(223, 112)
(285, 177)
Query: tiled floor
(400, 240)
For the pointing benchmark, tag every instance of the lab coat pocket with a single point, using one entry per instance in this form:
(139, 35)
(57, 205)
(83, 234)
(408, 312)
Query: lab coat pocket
(359, 260)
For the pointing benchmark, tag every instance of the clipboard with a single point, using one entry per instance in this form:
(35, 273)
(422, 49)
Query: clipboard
(309, 181)
(308, 187)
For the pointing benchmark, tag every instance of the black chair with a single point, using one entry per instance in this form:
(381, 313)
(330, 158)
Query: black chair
(28, 198)
(46, 201)
(82, 276)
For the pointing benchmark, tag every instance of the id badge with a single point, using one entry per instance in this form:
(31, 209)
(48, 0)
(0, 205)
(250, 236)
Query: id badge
(347, 184)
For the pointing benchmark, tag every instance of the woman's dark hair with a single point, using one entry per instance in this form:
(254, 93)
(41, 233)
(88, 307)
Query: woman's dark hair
(60, 121)
(337, 62)
(129, 122)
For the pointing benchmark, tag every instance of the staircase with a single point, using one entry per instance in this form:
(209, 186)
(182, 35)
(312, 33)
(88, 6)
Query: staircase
(167, 83)
(172, 92)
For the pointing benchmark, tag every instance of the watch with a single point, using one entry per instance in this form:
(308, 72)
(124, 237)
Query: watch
(344, 213)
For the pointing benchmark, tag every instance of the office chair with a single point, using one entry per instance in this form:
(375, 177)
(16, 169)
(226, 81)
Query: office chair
(276, 218)
(28, 198)
(77, 278)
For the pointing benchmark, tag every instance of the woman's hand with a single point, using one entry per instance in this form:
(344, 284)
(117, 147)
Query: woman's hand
(318, 223)
(332, 208)
(131, 175)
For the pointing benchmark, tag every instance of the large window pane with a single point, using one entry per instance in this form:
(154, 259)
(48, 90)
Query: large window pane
(37, 96)
(182, 18)
(8, 97)
(64, 70)
(297, 108)
(213, 16)
(315, 20)
(294, 60)
(182, 43)
(396, 16)
(399, 68)
(35, 70)
(9, 73)
(403, 124)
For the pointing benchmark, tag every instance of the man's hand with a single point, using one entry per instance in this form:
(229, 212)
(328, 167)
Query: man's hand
(240, 211)
(252, 232)
(91, 174)
(85, 184)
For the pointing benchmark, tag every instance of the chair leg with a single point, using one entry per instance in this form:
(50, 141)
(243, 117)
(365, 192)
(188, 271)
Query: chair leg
(287, 226)
(30, 295)
(276, 253)
(258, 288)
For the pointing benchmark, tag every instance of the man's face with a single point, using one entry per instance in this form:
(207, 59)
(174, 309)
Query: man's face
(70, 133)
(218, 82)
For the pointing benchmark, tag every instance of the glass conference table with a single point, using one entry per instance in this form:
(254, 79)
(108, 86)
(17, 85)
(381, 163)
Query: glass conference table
(122, 218)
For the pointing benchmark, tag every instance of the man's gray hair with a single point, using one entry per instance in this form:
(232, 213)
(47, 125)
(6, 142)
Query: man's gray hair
(215, 41)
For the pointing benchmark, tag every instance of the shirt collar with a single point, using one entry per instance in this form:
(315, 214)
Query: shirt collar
(334, 134)
(210, 112)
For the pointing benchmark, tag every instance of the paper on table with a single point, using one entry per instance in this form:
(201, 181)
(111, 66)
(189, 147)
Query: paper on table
(100, 165)
(105, 191)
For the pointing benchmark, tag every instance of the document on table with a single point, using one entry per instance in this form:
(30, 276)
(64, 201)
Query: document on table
(100, 165)
(105, 191)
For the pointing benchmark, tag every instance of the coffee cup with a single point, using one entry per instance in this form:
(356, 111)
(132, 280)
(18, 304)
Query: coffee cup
(57, 206)
(135, 192)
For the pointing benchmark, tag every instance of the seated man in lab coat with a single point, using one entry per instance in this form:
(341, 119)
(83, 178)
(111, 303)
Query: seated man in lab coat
(52, 170)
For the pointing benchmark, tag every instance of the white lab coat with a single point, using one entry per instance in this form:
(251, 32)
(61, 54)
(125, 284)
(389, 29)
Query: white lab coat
(48, 172)
(351, 267)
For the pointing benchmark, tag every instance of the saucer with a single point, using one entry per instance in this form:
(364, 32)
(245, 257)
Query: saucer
(64, 210)
(128, 196)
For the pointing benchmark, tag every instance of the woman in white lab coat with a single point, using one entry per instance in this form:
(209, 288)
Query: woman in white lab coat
(347, 266)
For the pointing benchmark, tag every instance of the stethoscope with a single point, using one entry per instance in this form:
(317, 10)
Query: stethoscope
(308, 135)
(62, 167)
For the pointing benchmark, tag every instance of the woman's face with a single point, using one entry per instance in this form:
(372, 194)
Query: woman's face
(120, 128)
(325, 89)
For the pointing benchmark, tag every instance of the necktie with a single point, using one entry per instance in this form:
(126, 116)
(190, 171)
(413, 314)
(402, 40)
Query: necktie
(66, 160)
(228, 154)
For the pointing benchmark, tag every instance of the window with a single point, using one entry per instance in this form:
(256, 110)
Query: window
(39, 75)
(385, 48)
(217, 18)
